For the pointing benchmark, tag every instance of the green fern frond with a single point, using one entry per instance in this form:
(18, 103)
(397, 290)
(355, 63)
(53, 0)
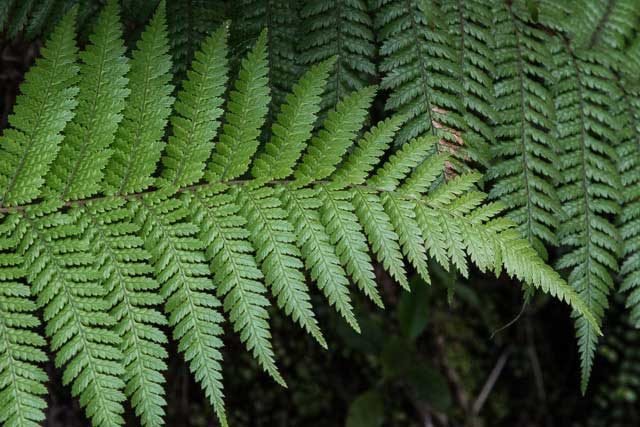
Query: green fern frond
(281, 21)
(279, 258)
(293, 125)
(246, 110)
(525, 170)
(32, 143)
(553, 14)
(33, 18)
(494, 244)
(319, 254)
(403, 219)
(339, 129)
(399, 165)
(383, 239)
(100, 267)
(189, 23)
(604, 23)
(470, 26)
(198, 113)
(629, 219)
(79, 168)
(181, 268)
(122, 263)
(367, 152)
(337, 215)
(342, 29)
(138, 143)
(59, 268)
(22, 379)
(420, 69)
(590, 187)
(236, 273)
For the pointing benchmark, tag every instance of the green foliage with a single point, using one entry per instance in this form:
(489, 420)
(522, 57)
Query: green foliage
(246, 112)
(280, 18)
(116, 249)
(630, 175)
(32, 143)
(470, 25)
(189, 23)
(420, 69)
(604, 23)
(342, 29)
(590, 186)
(122, 264)
(527, 169)
(59, 268)
(138, 143)
(180, 266)
(78, 170)
(21, 347)
(198, 111)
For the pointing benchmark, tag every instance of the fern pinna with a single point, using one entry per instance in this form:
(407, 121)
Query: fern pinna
(110, 248)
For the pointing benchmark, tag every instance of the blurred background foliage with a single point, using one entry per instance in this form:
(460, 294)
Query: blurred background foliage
(464, 353)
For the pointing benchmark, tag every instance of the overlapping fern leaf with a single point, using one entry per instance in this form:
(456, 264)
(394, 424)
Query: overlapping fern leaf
(590, 186)
(112, 258)
(470, 26)
(629, 167)
(280, 19)
(22, 379)
(603, 23)
(342, 29)
(421, 69)
(189, 23)
(525, 168)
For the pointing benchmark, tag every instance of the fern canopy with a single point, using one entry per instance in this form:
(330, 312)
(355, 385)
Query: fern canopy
(118, 234)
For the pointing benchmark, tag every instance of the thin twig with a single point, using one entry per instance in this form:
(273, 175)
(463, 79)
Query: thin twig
(490, 383)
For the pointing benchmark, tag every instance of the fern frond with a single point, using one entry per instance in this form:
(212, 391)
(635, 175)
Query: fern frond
(181, 268)
(79, 168)
(40, 114)
(246, 110)
(590, 187)
(367, 152)
(493, 244)
(236, 273)
(22, 380)
(277, 255)
(420, 69)
(281, 21)
(189, 23)
(470, 25)
(399, 165)
(342, 29)
(628, 116)
(403, 218)
(604, 23)
(132, 296)
(198, 113)
(337, 215)
(525, 171)
(380, 233)
(100, 266)
(59, 268)
(138, 143)
(319, 254)
(339, 129)
(293, 125)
